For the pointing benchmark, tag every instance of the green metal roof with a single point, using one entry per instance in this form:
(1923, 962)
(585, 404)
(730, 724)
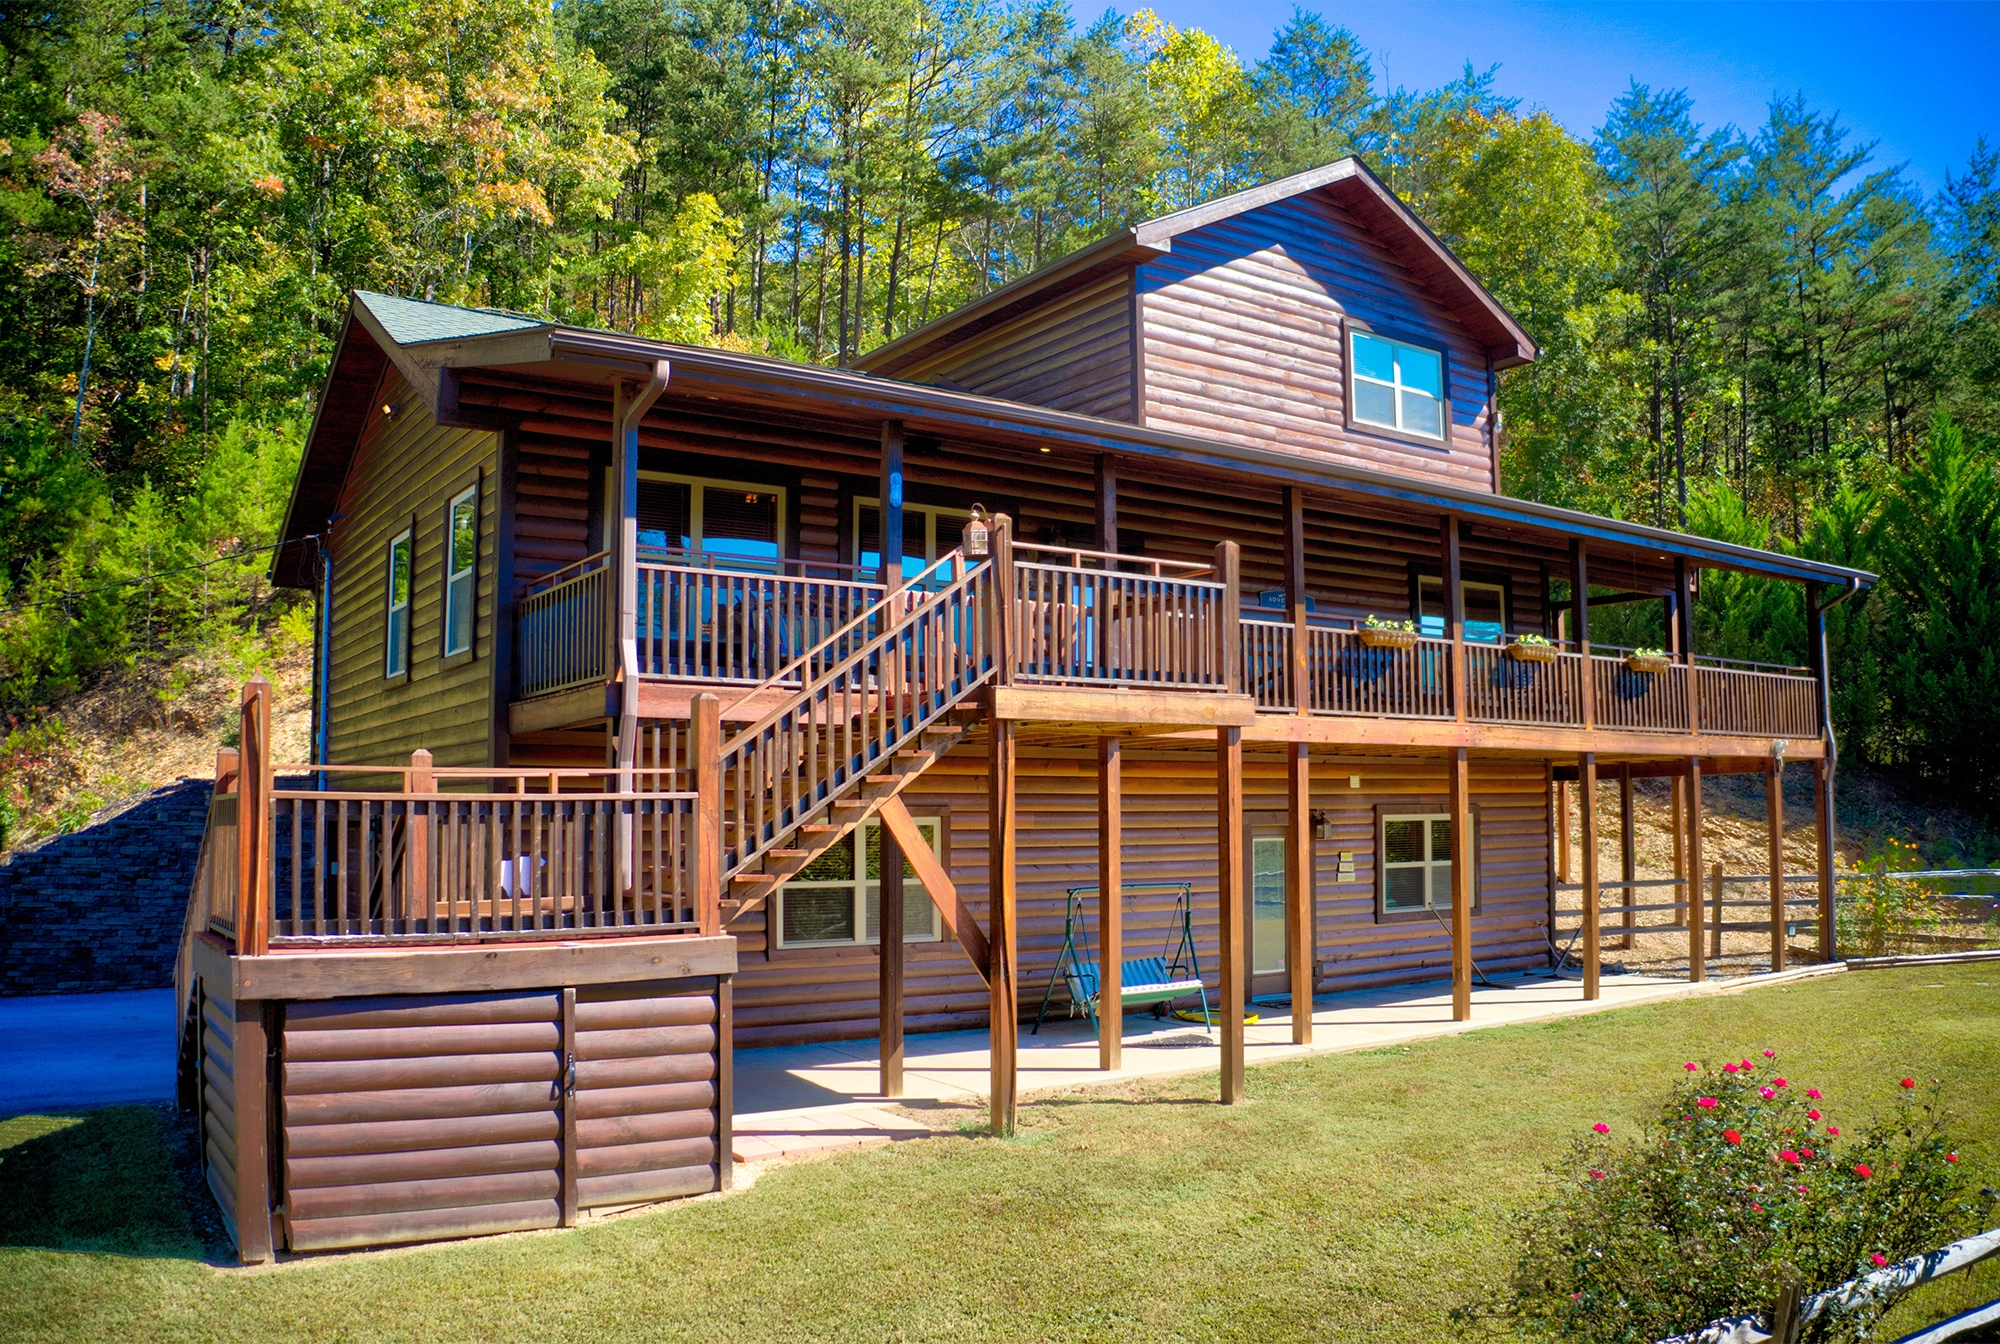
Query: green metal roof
(413, 321)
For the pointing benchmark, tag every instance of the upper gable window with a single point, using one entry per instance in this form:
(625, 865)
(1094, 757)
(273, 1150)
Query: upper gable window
(1398, 386)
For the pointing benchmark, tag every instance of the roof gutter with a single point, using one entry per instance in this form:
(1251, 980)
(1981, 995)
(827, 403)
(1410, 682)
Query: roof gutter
(748, 375)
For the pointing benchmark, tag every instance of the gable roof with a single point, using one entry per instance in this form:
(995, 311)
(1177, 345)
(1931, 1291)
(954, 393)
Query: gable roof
(1351, 185)
(578, 356)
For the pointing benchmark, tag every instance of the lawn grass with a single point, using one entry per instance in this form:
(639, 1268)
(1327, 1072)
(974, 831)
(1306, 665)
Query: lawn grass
(1358, 1197)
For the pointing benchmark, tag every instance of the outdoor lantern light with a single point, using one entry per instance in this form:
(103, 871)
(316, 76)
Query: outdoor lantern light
(976, 532)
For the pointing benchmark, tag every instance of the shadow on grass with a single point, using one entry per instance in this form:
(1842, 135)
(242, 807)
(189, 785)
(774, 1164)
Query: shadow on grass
(123, 1180)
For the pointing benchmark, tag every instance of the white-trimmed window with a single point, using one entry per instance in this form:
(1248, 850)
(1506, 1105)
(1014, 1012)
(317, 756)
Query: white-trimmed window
(835, 902)
(396, 643)
(461, 571)
(1485, 609)
(731, 524)
(929, 531)
(1416, 861)
(1397, 385)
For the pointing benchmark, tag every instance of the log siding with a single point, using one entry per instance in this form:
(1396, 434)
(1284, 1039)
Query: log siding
(1245, 326)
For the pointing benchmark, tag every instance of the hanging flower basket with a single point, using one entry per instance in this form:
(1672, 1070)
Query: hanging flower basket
(1531, 653)
(1646, 664)
(1381, 637)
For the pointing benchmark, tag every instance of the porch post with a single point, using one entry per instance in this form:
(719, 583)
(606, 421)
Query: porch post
(1774, 823)
(1229, 877)
(1684, 598)
(1678, 829)
(1107, 503)
(889, 1028)
(1579, 606)
(1454, 613)
(252, 914)
(1628, 859)
(1301, 871)
(1697, 949)
(705, 751)
(1823, 816)
(1462, 858)
(1110, 903)
(1003, 1012)
(889, 504)
(1561, 846)
(1586, 769)
(1229, 632)
(1300, 672)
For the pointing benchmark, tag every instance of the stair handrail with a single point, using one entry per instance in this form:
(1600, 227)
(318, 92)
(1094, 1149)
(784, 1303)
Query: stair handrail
(869, 613)
(747, 849)
(900, 623)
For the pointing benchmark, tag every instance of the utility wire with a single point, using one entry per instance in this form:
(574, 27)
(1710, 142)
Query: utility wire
(63, 599)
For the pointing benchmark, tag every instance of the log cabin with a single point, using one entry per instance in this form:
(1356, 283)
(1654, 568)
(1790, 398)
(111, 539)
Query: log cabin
(673, 699)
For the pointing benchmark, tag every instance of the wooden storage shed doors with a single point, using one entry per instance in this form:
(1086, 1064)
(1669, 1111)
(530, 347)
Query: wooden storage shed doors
(414, 1118)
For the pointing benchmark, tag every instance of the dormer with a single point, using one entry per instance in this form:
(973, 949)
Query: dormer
(1315, 314)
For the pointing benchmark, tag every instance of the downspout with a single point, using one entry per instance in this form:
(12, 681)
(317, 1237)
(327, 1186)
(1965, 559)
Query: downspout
(628, 411)
(1818, 635)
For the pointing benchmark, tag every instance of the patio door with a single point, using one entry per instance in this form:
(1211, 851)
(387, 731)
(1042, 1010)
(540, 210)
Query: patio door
(1267, 903)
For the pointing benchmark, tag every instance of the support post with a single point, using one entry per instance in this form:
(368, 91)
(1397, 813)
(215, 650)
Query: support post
(1107, 503)
(705, 750)
(1697, 966)
(1549, 870)
(1715, 894)
(253, 821)
(1774, 823)
(1000, 594)
(1110, 903)
(1628, 856)
(1678, 828)
(1229, 861)
(1462, 859)
(1579, 619)
(1300, 672)
(889, 947)
(1003, 1012)
(1562, 831)
(1229, 634)
(1586, 769)
(1823, 818)
(1684, 599)
(250, 1067)
(889, 505)
(1301, 955)
(1454, 613)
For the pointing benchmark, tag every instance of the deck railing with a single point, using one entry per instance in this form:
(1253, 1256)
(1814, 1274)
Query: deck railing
(1751, 698)
(1642, 701)
(1346, 676)
(1502, 689)
(727, 625)
(401, 854)
(1091, 618)
(566, 628)
(546, 858)
(1267, 662)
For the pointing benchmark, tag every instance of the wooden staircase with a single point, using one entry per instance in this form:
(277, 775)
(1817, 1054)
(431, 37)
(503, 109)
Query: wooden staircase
(874, 712)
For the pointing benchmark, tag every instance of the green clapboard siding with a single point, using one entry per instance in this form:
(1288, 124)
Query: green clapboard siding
(408, 470)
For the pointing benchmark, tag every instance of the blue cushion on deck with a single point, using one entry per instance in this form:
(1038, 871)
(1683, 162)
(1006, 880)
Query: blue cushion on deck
(1146, 980)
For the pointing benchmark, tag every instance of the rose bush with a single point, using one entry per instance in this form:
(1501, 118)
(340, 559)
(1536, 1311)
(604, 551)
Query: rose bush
(1738, 1186)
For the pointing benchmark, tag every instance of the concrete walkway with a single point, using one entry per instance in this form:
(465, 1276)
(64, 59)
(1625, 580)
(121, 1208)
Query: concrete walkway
(802, 1100)
(65, 1052)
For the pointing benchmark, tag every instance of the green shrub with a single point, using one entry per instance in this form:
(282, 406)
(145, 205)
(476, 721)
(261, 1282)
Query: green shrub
(1745, 1182)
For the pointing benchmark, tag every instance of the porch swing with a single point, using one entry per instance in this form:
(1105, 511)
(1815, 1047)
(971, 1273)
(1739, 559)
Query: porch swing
(1154, 981)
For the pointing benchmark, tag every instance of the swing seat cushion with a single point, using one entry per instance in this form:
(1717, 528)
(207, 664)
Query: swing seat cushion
(1145, 981)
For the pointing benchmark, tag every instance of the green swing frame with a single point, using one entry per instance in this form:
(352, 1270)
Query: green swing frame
(1142, 981)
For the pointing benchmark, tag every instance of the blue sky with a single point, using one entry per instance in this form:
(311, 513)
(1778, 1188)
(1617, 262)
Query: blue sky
(1923, 79)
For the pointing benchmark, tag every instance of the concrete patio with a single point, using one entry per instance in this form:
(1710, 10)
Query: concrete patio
(802, 1100)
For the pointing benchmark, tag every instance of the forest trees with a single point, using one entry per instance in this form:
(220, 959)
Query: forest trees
(1768, 314)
